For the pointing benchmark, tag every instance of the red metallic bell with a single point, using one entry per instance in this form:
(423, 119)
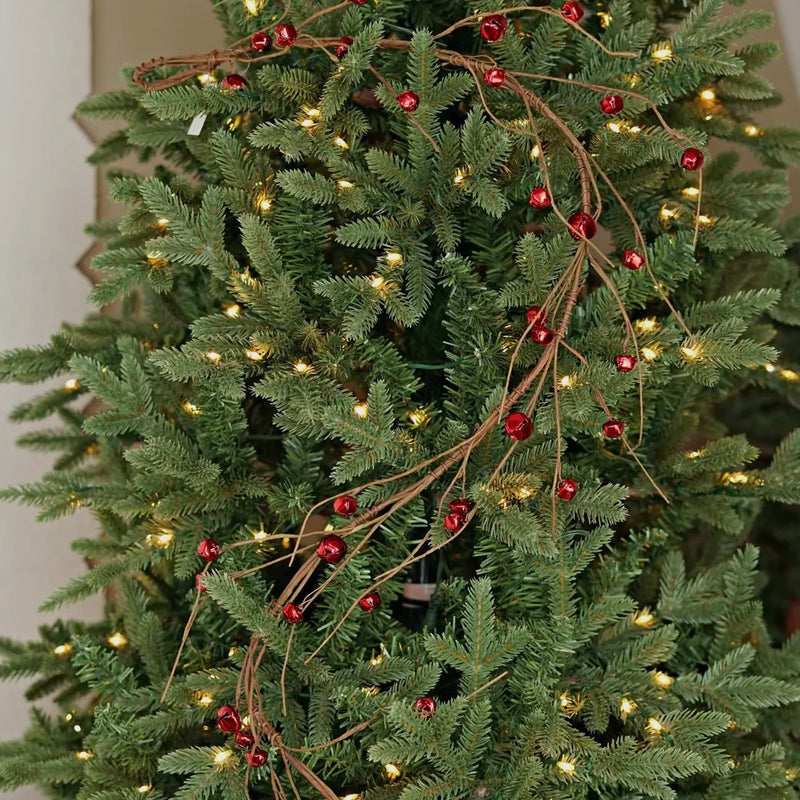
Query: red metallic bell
(567, 489)
(425, 707)
(370, 601)
(208, 550)
(292, 613)
(228, 719)
(285, 35)
(614, 429)
(343, 46)
(409, 101)
(582, 226)
(625, 363)
(692, 159)
(536, 316)
(518, 426)
(233, 81)
(572, 11)
(245, 739)
(542, 335)
(332, 548)
(261, 41)
(257, 758)
(632, 260)
(461, 506)
(540, 198)
(494, 77)
(345, 506)
(454, 521)
(612, 104)
(493, 28)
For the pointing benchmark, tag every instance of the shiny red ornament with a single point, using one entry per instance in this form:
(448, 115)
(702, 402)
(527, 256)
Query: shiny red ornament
(425, 707)
(625, 363)
(572, 11)
(612, 104)
(540, 198)
(614, 428)
(582, 226)
(292, 613)
(632, 260)
(198, 582)
(542, 336)
(461, 506)
(345, 506)
(261, 41)
(495, 77)
(493, 27)
(257, 758)
(343, 46)
(409, 101)
(233, 81)
(692, 159)
(370, 601)
(536, 316)
(332, 548)
(208, 550)
(245, 739)
(518, 426)
(360, 2)
(285, 35)
(228, 719)
(567, 489)
(454, 521)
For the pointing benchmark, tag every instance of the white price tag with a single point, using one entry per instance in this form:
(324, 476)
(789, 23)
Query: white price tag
(197, 125)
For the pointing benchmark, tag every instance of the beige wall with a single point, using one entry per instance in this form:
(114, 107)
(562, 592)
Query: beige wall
(789, 19)
(46, 197)
(130, 33)
(784, 72)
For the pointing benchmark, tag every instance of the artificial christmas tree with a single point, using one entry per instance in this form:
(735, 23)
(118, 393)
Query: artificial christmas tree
(435, 292)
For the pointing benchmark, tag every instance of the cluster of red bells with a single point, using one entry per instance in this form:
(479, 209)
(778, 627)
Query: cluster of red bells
(583, 226)
(493, 27)
(456, 518)
(229, 721)
(519, 426)
(541, 334)
(331, 549)
(293, 613)
(285, 35)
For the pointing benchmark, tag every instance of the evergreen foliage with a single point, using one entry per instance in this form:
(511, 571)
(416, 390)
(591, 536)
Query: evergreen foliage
(324, 294)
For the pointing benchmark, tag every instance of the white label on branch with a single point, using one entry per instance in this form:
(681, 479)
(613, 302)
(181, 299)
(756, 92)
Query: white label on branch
(197, 124)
